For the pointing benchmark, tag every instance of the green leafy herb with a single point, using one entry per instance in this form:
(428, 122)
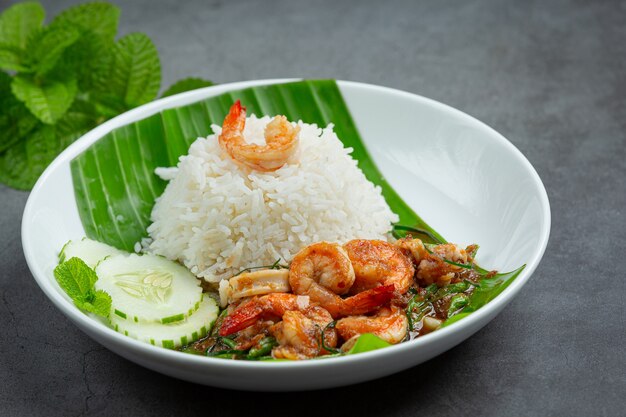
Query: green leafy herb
(366, 343)
(18, 22)
(399, 230)
(135, 71)
(77, 280)
(70, 75)
(457, 302)
(49, 100)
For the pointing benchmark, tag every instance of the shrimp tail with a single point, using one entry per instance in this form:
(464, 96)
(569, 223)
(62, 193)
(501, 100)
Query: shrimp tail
(366, 301)
(235, 114)
(241, 318)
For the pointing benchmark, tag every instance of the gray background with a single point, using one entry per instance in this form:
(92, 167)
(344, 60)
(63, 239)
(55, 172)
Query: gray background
(550, 76)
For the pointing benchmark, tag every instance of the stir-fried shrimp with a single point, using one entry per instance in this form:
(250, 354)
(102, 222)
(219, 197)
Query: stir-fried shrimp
(376, 263)
(281, 141)
(389, 323)
(432, 266)
(414, 248)
(300, 334)
(251, 336)
(323, 271)
(268, 306)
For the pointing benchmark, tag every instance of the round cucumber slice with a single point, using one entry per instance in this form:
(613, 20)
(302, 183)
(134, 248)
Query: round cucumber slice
(148, 288)
(90, 251)
(172, 335)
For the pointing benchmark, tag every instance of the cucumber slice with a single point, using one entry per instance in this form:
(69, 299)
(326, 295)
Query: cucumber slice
(148, 288)
(171, 335)
(90, 251)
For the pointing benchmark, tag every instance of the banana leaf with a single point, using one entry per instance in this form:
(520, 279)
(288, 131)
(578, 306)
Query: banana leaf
(114, 180)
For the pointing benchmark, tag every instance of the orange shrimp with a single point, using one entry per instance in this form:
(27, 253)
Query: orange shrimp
(431, 266)
(390, 324)
(300, 334)
(323, 271)
(281, 141)
(377, 263)
(267, 306)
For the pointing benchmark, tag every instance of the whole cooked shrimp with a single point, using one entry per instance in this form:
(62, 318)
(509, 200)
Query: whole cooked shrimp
(299, 334)
(281, 141)
(377, 263)
(389, 323)
(323, 271)
(266, 307)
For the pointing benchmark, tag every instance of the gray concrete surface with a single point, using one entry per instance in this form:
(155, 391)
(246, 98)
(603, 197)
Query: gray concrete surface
(550, 76)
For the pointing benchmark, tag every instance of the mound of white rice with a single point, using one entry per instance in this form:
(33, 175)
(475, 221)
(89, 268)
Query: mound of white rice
(218, 217)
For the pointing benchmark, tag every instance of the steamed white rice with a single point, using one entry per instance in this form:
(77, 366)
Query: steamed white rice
(217, 217)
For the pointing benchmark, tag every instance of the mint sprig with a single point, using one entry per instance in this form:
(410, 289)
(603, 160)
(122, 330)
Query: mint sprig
(60, 80)
(77, 280)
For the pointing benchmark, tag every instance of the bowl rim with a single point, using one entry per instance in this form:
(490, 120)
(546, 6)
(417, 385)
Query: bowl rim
(81, 319)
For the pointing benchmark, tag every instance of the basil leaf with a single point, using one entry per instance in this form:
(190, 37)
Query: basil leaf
(368, 342)
(47, 100)
(186, 84)
(18, 22)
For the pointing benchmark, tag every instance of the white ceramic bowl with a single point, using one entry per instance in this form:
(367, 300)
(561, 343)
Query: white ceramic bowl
(462, 177)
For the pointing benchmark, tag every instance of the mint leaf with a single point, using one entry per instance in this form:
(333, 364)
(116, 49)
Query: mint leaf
(135, 71)
(15, 119)
(186, 84)
(23, 163)
(75, 278)
(79, 119)
(47, 100)
(100, 304)
(11, 58)
(18, 22)
(46, 47)
(98, 17)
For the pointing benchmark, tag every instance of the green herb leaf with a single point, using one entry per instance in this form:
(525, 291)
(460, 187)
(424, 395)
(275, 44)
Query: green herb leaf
(15, 119)
(23, 163)
(99, 18)
(90, 56)
(457, 302)
(11, 58)
(79, 119)
(135, 71)
(48, 100)
(75, 278)
(186, 84)
(46, 47)
(368, 342)
(18, 22)
(100, 304)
